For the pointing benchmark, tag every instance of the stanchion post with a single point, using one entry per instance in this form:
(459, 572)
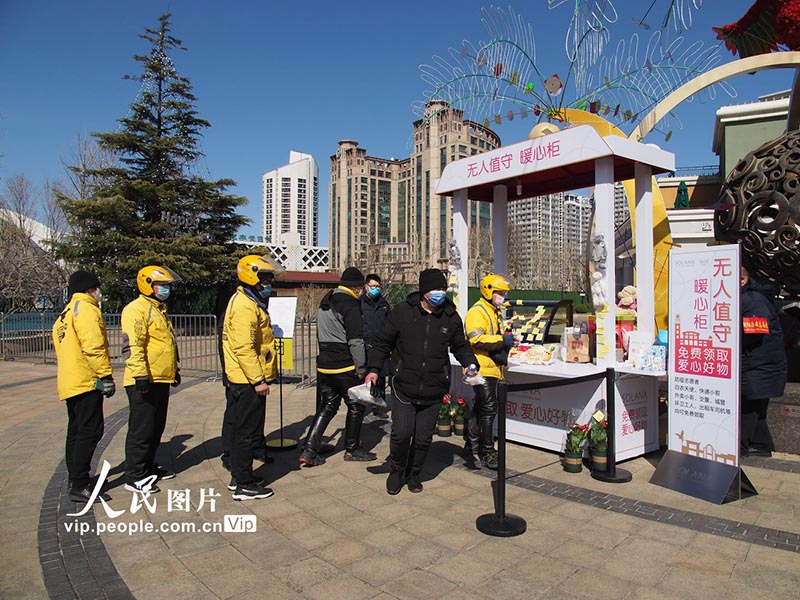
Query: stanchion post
(281, 443)
(612, 474)
(499, 523)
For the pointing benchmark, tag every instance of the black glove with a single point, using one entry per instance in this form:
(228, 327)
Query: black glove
(508, 339)
(109, 387)
(500, 357)
(142, 384)
(177, 381)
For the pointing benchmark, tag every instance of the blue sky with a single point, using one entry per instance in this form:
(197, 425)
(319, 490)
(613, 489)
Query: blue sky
(275, 76)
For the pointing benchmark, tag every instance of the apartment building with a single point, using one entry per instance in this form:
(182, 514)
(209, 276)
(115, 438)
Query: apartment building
(384, 214)
(290, 196)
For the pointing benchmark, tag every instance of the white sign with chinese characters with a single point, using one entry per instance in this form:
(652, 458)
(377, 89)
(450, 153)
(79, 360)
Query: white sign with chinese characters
(704, 353)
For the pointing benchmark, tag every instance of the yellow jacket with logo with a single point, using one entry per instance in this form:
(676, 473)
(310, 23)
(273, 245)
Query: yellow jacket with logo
(248, 343)
(148, 342)
(485, 335)
(81, 343)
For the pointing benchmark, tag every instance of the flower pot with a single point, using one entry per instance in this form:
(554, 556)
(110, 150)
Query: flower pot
(444, 429)
(458, 427)
(599, 459)
(573, 461)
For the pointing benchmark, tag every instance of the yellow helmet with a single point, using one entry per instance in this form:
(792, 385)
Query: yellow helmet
(154, 274)
(493, 283)
(253, 269)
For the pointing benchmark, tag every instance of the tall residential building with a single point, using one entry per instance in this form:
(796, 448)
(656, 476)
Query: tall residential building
(547, 240)
(384, 214)
(290, 197)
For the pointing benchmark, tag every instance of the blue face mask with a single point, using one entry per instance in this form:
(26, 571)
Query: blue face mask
(265, 291)
(373, 292)
(437, 297)
(161, 292)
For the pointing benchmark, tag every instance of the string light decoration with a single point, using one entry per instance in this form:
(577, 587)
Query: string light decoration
(499, 80)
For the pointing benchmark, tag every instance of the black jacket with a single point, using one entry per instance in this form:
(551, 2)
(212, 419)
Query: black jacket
(420, 342)
(763, 368)
(375, 313)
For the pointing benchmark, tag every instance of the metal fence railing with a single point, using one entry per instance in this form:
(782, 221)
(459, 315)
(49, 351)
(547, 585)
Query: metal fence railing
(28, 336)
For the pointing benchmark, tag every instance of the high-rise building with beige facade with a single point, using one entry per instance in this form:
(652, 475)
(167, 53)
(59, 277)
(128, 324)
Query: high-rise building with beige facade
(384, 213)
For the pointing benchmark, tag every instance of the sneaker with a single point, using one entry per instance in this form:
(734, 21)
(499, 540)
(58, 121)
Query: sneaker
(83, 494)
(263, 455)
(360, 454)
(258, 480)
(490, 461)
(413, 483)
(755, 451)
(162, 473)
(395, 481)
(252, 491)
(310, 458)
(145, 486)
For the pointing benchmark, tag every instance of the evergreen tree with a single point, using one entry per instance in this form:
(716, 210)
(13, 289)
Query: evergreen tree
(148, 207)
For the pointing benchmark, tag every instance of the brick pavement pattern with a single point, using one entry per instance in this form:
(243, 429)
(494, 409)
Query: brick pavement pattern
(332, 531)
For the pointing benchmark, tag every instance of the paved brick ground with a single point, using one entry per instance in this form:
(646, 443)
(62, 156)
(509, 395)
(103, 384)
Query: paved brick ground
(333, 532)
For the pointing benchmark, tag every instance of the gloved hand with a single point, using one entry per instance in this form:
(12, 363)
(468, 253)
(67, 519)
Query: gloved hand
(508, 339)
(177, 381)
(471, 371)
(142, 385)
(109, 387)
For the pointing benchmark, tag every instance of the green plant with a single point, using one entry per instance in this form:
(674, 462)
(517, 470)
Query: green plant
(598, 433)
(444, 409)
(575, 437)
(459, 409)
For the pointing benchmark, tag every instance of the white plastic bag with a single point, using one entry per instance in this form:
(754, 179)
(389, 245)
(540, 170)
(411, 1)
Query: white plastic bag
(363, 395)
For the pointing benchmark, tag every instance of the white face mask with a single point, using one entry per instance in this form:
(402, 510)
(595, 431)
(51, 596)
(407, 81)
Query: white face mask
(97, 295)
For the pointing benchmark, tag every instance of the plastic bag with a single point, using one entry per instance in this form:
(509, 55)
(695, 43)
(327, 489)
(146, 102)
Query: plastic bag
(364, 394)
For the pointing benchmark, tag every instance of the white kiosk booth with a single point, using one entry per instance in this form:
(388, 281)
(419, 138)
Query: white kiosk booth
(566, 160)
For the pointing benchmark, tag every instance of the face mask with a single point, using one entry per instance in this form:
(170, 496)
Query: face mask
(98, 295)
(436, 298)
(373, 292)
(265, 291)
(498, 299)
(161, 292)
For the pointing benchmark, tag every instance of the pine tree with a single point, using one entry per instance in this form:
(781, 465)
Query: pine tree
(148, 207)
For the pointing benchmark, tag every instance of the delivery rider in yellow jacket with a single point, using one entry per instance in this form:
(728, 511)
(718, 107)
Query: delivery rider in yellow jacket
(151, 366)
(484, 331)
(84, 377)
(251, 363)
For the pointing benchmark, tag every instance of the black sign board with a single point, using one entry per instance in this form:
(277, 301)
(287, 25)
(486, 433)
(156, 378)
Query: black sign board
(705, 479)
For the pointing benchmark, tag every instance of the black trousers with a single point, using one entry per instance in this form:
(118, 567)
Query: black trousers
(755, 433)
(247, 420)
(332, 390)
(84, 431)
(481, 412)
(146, 422)
(413, 426)
(227, 423)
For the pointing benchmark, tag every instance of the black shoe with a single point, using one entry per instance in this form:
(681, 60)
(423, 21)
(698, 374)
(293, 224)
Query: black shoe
(395, 481)
(252, 491)
(161, 473)
(257, 480)
(360, 454)
(262, 455)
(759, 452)
(83, 494)
(226, 461)
(413, 483)
(310, 458)
(142, 487)
(490, 461)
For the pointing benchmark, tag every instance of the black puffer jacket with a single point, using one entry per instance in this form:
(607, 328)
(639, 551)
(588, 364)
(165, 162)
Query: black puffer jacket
(763, 368)
(421, 341)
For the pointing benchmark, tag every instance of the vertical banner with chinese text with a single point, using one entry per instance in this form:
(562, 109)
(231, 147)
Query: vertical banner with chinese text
(704, 353)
